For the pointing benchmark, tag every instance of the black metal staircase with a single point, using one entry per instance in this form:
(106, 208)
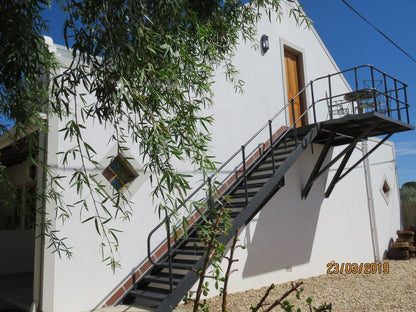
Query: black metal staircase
(260, 174)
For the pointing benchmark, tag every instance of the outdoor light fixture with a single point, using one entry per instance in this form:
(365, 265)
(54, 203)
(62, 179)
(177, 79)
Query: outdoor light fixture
(264, 42)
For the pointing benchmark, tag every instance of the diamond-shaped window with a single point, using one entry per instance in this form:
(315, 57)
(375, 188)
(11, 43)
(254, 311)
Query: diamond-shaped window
(385, 190)
(120, 173)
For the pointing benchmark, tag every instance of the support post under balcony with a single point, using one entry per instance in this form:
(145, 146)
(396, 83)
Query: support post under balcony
(366, 155)
(339, 171)
(317, 166)
(316, 174)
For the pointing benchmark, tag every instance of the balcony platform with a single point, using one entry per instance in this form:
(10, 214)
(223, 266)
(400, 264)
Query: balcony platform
(350, 127)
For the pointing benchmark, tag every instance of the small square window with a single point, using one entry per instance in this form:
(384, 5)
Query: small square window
(120, 173)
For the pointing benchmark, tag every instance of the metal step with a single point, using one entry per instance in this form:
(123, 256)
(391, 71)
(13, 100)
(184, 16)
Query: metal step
(283, 151)
(243, 195)
(251, 185)
(277, 161)
(194, 239)
(262, 169)
(286, 144)
(259, 177)
(143, 303)
(177, 265)
(174, 275)
(150, 293)
(160, 279)
(189, 251)
(235, 204)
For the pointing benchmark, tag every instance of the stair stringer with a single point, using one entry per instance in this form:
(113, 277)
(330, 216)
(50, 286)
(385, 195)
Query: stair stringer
(244, 217)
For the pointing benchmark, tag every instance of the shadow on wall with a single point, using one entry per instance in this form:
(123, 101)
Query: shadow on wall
(285, 228)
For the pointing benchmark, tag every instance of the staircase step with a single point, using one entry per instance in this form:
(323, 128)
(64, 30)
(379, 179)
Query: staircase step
(243, 195)
(283, 151)
(150, 293)
(249, 182)
(143, 303)
(189, 251)
(177, 265)
(277, 161)
(174, 275)
(191, 247)
(286, 144)
(251, 185)
(160, 279)
(268, 164)
(262, 169)
(194, 239)
(242, 190)
(259, 177)
(235, 205)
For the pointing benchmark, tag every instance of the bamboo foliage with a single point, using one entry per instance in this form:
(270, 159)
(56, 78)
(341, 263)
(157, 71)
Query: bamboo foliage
(149, 66)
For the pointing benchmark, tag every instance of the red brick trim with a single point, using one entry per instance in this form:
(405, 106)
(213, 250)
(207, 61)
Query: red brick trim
(142, 269)
(249, 161)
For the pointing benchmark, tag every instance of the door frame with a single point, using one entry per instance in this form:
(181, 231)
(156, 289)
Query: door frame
(300, 54)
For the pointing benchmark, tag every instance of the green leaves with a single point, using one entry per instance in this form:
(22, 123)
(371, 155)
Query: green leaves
(148, 68)
(24, 59)
(408, 192)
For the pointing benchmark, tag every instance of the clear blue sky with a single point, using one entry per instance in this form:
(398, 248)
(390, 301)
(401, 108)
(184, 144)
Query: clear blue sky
(352, 42)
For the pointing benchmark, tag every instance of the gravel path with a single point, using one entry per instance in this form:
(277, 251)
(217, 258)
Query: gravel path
(395, 291)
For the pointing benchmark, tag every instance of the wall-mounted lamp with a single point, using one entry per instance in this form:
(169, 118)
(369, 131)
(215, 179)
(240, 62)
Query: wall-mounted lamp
(264, 43)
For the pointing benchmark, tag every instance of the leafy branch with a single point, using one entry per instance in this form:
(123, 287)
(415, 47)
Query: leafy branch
(148, 67)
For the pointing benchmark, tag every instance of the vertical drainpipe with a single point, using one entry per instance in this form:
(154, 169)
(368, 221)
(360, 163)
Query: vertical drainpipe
(40, 244)
(40, 219)
(370, 200)
(37, 304)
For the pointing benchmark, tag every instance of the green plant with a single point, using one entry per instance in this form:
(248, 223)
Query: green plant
(149, 66)
(285, 304)
(218, 223)
(408, 192)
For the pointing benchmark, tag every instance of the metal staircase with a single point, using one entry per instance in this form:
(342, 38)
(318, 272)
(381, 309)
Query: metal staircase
(247, 195)
(260, 174)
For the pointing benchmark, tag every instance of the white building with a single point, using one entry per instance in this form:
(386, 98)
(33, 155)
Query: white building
(289, 237)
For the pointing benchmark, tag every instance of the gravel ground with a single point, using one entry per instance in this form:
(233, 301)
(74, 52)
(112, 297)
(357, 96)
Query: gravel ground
(395, 291)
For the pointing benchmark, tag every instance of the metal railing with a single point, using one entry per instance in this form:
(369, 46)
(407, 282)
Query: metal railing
(395, 94)
(388, 96)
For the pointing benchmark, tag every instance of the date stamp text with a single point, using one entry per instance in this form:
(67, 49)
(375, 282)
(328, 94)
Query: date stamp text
(357, 268)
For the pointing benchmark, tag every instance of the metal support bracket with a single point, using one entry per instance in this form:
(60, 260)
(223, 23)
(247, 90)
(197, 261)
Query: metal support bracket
(338, 173)
(365, 156)
(317, 166)
(317, 171)
(338, 177)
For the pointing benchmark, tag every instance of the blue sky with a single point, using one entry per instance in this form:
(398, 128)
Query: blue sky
(352, 42)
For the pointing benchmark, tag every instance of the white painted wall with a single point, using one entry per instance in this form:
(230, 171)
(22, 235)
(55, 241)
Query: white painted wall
(288, 232)
(387, 212)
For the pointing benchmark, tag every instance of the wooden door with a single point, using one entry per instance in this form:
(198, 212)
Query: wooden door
(293, 87)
